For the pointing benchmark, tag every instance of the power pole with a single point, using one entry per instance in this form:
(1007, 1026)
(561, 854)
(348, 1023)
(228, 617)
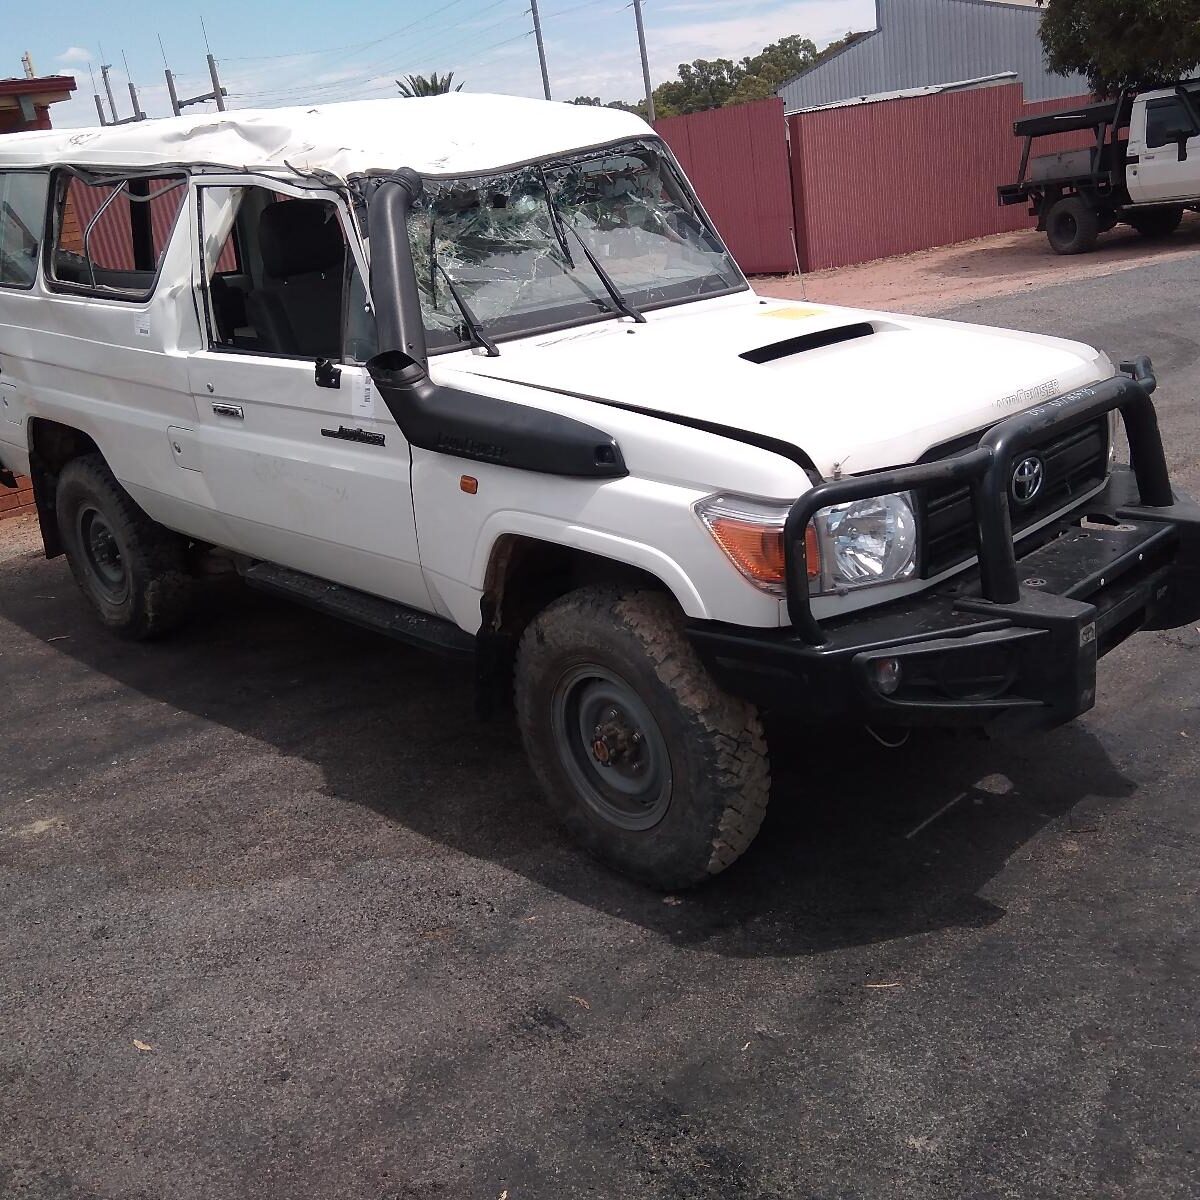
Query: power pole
(218, 92)
(641, 31)
(217, 95)
(541, 47)
(112, 104)
(138, 115)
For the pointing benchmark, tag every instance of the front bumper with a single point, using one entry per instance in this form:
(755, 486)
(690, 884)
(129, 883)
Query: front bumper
(1013, 644)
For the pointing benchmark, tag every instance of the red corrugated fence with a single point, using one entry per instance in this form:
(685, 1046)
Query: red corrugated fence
(737, 159)
(873, 180)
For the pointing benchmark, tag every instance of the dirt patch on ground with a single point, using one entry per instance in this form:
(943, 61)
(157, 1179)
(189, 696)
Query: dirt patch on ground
(933, 280)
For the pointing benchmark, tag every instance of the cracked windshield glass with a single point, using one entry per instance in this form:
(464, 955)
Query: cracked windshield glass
(559, 244)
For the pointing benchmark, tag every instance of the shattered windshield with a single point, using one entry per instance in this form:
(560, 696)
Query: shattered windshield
(561, 243)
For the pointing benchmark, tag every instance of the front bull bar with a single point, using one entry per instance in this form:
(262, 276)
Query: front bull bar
(987, 470)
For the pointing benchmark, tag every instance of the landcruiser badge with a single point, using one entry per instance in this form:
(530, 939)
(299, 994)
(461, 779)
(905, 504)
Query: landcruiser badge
(1027, 479)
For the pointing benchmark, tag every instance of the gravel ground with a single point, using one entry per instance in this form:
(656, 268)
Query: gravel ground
(283, 921)
(930, 281)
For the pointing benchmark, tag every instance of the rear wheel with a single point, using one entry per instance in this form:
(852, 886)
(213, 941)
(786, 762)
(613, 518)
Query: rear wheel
(1156, 222)
(131, 570)
(1072, 226)
(649, 765)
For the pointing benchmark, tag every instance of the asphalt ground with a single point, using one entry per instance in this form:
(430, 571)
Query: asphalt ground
(280, 919)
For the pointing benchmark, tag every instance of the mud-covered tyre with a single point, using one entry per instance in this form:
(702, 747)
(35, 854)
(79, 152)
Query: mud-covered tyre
(1072, 227)
(132, 571)
(649, 765)
(1156, 222)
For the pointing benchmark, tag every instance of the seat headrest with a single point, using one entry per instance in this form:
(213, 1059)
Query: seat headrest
(296, 237)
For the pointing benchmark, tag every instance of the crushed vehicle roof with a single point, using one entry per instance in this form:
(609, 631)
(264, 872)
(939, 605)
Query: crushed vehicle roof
(455, 134)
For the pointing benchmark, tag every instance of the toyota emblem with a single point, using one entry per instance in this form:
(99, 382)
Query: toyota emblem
(1027, 479)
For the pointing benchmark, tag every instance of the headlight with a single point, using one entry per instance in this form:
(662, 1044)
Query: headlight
(750, 532)
(847, 546)
(866, 542)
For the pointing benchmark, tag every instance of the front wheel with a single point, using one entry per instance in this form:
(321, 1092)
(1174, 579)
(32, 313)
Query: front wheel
(1156, 222)
(650, 766)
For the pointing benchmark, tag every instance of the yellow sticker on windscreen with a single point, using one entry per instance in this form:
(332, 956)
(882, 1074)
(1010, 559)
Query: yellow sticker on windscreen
(794, 312)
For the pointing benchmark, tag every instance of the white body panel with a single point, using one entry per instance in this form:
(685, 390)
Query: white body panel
(141, 381)
(1160, 174)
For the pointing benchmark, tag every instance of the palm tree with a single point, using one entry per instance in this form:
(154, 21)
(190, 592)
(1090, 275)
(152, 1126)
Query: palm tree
(433, 85)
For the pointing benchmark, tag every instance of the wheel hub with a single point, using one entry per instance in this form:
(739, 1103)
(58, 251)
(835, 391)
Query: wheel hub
(616, 742)
(102, 550)
(612, 747)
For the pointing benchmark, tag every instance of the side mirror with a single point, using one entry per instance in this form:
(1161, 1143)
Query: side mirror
(1181, 140)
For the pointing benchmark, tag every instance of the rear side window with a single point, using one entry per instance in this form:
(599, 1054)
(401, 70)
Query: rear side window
(22, 221)
(110, 235)
(1167, 121)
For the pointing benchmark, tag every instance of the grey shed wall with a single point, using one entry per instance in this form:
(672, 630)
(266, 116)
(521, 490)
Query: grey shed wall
(923, 42)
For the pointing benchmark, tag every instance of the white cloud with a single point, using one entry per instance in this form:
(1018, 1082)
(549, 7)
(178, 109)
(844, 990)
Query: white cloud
(74, 54)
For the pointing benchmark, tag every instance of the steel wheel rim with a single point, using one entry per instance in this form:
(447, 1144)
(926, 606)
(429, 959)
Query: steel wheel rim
(611, 747)
(102, 552)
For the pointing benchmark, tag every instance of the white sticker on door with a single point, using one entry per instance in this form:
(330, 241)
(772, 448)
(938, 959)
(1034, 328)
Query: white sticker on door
(142, 325)
(364, 398)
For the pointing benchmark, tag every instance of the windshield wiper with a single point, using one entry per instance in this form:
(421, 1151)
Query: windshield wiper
(556, 221)
(619, 302)
(469, 319)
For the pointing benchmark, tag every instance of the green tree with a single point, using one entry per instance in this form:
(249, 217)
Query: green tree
(1122, 43)
(431, 85)
(586, 101)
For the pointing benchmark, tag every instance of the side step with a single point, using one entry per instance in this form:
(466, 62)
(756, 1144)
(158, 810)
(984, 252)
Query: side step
(370, 612)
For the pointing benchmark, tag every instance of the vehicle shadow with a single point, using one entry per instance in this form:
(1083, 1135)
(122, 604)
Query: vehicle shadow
(848, 855)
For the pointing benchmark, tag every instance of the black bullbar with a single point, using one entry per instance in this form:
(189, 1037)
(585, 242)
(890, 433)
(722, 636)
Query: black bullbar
(987, 470)
(1015, 642)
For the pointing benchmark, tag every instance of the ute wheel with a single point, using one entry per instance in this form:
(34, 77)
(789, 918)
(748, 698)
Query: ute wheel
(131, 570)
(1156, 222)
(1071, 226)
(651, 767)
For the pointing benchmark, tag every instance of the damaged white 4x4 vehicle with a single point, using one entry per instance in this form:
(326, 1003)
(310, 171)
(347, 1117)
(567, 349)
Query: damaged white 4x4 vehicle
(478, 373)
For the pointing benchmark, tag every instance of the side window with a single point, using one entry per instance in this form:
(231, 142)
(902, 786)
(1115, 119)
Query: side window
(1166, 122)
(110, 235)
(22, 223)
(279, 275)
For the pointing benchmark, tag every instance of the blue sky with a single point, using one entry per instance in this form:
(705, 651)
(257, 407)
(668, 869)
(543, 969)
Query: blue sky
(275, 53)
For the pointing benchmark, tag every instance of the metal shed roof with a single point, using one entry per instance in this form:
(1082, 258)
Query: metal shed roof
(917, 43)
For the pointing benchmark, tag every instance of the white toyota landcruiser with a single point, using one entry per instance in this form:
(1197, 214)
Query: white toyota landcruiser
(478, 372)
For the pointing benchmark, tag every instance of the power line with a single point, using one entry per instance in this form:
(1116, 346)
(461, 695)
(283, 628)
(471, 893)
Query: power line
(438, 45)
(319, 53)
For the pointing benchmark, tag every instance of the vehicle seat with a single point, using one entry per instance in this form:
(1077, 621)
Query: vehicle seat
(298, 308)
(229, 309)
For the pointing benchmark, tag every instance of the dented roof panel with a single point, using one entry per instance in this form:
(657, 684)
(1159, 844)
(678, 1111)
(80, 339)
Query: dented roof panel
(454, 134)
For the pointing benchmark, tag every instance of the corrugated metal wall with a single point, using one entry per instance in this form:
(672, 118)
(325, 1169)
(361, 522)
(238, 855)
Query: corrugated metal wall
(874, 180)
(738, 161)
(924, 42)
(111, 240)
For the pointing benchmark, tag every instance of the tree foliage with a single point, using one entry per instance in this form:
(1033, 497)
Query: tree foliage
(1122, 43)
(717, 82)
(432, 84)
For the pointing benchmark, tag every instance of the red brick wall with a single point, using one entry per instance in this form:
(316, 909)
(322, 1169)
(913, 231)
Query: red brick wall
(21, 501)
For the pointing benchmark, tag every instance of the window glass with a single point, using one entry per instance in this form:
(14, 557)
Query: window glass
(279, 276)
(22, 220)
(1166, 121)
(111, 236)
(543, 245)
